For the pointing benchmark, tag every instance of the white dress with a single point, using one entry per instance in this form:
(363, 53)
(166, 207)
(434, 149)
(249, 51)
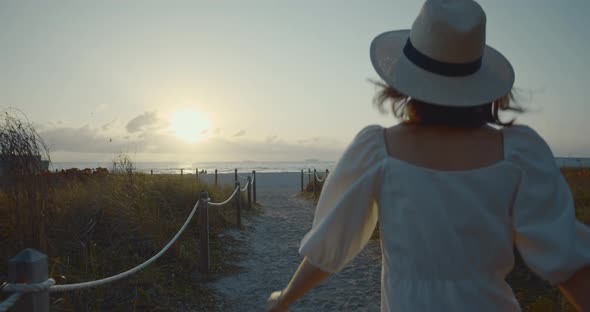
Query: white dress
(447, 237)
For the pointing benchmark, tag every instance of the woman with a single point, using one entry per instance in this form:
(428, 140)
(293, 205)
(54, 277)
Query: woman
(452, 194)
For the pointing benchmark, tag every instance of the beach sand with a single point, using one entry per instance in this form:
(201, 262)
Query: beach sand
(269, 243)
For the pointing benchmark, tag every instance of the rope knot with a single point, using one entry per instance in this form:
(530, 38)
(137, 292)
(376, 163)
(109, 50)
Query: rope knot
(28, 288)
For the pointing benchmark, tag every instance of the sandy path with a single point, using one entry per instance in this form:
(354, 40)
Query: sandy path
(269, 246)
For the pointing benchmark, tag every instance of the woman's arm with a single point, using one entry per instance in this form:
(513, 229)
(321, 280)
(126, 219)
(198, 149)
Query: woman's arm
(305, 278)
(577, 289)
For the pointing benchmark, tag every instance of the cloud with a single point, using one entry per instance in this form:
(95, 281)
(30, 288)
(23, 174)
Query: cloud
(317, 141)
(240, 133)
(83, 139)
(38, 126)
(107, 126)
(147, 120)
(71, 144)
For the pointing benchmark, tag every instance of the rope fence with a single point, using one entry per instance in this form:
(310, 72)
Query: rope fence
(10, 301)
(245, 187)
(227, 200)
(316, 180)
(32, 266)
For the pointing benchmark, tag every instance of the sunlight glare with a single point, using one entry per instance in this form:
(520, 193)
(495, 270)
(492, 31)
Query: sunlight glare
(189, 125)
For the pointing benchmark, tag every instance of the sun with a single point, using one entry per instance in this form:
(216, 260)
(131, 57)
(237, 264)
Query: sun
(189, 125)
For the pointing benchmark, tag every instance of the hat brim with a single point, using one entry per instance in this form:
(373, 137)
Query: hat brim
(493, 80)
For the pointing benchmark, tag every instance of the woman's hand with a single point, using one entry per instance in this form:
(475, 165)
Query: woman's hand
(305, 278)
(275, 302)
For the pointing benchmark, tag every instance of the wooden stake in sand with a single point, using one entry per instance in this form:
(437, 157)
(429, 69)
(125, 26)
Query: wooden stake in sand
(204, 232)
(301, 180)
(254, 185)
(30, 266)
(238, 206)
(314, 183)
(249, 192)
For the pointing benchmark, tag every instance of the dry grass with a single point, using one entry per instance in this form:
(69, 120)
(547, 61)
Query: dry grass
(93, 225)
(103, 225)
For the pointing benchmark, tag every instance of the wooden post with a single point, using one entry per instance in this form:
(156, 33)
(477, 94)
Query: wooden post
(250, 192)
(236, 174)
(314, 183)
(181, 172)
(308, 175)
(29, 266)
(254, 185)
(302, 180)
(204, 232)
(238, 206)
(326, 176)
(151, 172)
(215, 177)
(197, 173)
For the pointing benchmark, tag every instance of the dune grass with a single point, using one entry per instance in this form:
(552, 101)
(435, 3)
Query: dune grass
(533, 293)
(97, 226)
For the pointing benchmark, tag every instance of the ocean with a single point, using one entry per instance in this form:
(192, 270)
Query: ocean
(222, 167)
(248, 166)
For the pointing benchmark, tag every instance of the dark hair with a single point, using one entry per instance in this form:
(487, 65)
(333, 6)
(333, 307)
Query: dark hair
(412, 111)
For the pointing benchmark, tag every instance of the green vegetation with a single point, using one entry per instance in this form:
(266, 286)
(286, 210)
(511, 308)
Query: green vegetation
(533, 293)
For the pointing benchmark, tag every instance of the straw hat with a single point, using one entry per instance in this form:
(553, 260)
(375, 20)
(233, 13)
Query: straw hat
(444, 59)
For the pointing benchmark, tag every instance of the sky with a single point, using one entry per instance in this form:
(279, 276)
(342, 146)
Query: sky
(255, 80)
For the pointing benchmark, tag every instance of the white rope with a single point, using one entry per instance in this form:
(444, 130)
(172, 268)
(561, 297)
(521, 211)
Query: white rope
(318, 178)
(29, 288)
(9, 302)
(20, 289)
(227, 200)
(245, 187)
(67, 287)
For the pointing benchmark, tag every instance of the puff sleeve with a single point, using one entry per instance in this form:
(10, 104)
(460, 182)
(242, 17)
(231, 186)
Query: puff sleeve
(347, 212)
(550, 239)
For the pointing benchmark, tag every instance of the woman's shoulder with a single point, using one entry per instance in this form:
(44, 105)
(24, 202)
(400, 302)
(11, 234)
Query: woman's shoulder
(369, 137)
(523, 134)
(527, 148)
(369, 132)
(367, 148)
